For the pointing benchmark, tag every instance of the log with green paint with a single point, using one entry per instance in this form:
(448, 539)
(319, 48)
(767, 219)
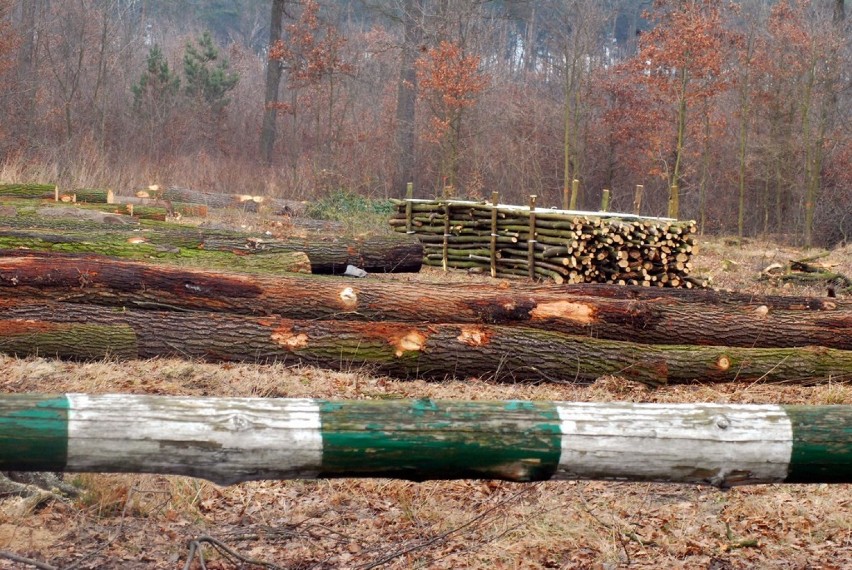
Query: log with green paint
(228, 440)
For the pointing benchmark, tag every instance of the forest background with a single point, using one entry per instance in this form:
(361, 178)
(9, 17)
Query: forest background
(736, 114)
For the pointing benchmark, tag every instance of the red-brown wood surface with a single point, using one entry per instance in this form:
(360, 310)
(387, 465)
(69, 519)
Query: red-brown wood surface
(619, 313)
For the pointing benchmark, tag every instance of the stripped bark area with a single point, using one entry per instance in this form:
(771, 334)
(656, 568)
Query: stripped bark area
(630, 314)
(228, 440)
(435, 351)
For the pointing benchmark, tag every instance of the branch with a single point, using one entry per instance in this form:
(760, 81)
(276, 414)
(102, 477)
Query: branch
(195, 546)
(29, 561)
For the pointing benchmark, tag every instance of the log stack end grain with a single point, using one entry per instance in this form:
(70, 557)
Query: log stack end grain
(562, 245)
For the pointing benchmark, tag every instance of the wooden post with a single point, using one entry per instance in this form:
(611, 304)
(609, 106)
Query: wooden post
(495, 199)
(575, 191)
(110, 197)
(605, 200)
(446, 235)
(229, 440)
(532, 239)
(409, 195)
(637, 199)
(56, 193)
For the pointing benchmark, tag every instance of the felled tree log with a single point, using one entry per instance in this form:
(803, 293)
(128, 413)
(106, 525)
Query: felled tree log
(27, 190)
(246, 202)
(138, 247)
(327, 254)
(228, 440)
(691, 317)
(90, 195)
(436, 351)
(173, 208)
(69, 341)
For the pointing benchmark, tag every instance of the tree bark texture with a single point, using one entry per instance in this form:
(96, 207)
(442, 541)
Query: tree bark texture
(406, 95)
(328, 254)
(432, 351)
(690, 316)
(273, 80)
(210, 199)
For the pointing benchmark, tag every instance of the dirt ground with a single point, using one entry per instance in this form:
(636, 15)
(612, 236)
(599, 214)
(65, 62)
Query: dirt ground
(145, 521)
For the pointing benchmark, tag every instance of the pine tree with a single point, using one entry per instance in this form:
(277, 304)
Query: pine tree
(158, 86)
(208, 76)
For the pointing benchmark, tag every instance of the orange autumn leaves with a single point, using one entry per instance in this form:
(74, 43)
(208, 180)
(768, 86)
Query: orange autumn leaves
(450, 82)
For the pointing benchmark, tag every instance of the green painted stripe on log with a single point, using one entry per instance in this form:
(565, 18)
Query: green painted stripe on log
(424, 439)
(33, 432)
(822, 444)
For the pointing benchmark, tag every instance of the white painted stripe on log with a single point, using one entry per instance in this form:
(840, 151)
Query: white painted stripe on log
(720, 444)
(224, 440)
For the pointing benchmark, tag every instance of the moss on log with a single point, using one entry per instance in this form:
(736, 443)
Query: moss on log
(438, 351)
(327, 254)
(720, 319)
(69, 341)
(27, 190)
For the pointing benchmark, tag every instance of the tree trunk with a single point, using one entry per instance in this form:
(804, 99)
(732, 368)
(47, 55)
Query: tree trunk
(691, 316)
(407, 94)
(434, 351)
(228, 440)
(273, 79)
(195, 246)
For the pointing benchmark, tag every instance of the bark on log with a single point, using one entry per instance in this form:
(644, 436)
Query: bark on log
(173, 208)
(136, 247)
(68, 341)
(328, 255)
(435, 351)
(691, 317)
(210, 199)
(246, 202)
(228, 440)
(27, 190)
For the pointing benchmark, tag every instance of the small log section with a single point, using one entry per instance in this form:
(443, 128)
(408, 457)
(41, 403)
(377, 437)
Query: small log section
(561, 245)
(810, 272)
(229, 440)
(635, 314)
(412, 350)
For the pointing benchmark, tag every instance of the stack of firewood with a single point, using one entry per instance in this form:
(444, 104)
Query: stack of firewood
(566, 246)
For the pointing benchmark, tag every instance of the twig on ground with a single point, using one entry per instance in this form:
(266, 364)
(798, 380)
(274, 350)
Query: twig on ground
(28, 561)
(195, 546)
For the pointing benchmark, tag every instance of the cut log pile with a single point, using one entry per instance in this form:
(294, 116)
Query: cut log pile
(60, 295)
(562, 245)
(72, 229)
(66, 305)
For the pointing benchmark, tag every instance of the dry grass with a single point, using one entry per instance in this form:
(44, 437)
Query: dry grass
(145, 521)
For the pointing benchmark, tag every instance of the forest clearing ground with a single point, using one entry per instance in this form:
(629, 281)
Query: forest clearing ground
(146, 521)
